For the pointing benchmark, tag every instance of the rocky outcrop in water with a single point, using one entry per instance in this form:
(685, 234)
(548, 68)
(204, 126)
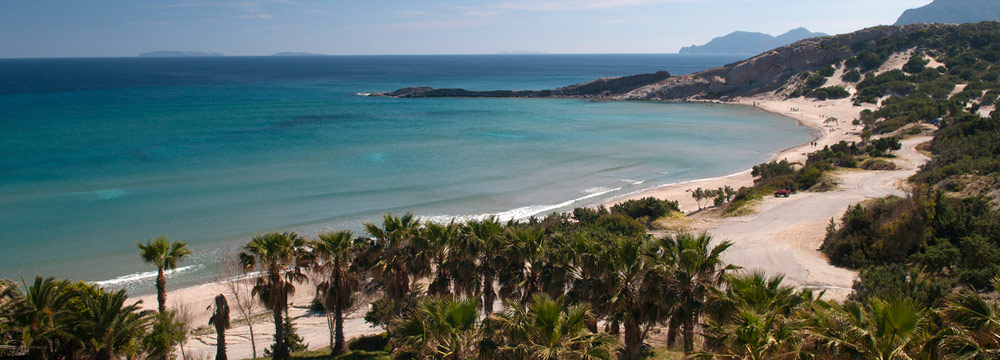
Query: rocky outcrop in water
(600, 88)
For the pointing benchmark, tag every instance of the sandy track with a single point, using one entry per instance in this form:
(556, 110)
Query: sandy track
(784, 235)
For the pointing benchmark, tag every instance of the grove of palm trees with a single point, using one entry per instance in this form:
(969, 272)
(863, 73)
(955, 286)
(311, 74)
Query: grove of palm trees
(564, 288)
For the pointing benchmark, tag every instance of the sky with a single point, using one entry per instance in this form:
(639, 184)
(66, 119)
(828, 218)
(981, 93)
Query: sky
(106, 28)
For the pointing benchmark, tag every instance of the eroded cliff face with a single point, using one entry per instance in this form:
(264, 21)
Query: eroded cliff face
(766, 72)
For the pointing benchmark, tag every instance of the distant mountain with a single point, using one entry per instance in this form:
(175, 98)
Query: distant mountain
(952, 12)
(176, 53)
(748, 43)
(293, 53)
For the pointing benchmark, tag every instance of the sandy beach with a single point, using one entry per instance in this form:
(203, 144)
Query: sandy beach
(782, 236)
(807, 112)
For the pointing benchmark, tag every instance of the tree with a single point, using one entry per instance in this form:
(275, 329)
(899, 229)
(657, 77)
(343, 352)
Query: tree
(441, 239)
(164, 255)
(445, 329)
(697, 269)
(220, 320)
(240, 288)
(535, 263)
(336, 252)
(107, 326)
(11, 302)
(974, 331)
(548, 329)
(396, 254)
(756, 317)
(166, 332)
(486, 240)
(43, 318)
(634, 293)
(698, 194)
(281, 258)
(878, 329)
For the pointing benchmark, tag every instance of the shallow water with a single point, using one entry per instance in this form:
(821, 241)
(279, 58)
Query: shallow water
(96, 154)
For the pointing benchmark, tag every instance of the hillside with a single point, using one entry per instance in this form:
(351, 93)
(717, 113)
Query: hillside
(748, 43)
(952, 12)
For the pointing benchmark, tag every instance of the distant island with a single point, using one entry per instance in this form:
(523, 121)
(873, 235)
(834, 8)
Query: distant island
(519, 53)
(952, 12)
(296, 53)
(748, 43)
(178, 53)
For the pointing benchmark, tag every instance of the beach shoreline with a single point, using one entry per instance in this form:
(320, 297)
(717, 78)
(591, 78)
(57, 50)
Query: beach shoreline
(810, 113)
(313, 327)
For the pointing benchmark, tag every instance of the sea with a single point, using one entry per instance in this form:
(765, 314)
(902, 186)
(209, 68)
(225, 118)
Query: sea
(97, 154)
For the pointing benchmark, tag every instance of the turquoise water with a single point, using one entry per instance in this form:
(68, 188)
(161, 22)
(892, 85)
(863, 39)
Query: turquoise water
(213, 151)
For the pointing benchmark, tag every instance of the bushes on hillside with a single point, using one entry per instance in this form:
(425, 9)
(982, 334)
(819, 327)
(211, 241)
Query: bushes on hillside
(830, 92)
(959, 238)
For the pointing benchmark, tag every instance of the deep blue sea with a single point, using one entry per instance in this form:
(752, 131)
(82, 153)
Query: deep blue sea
(96, 154)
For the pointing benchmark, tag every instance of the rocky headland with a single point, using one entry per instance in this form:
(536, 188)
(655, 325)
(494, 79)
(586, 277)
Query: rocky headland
(769, 71)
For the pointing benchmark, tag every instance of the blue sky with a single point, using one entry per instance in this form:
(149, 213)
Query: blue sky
(79, 28)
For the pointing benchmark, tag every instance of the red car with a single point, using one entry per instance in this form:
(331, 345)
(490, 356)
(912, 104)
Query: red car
(782, 193)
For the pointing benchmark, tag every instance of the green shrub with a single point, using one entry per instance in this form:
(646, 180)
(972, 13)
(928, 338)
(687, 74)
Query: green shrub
(851, 76)
(878, 164)
(770, 170)
(376, 342)
(648, 207)
(916, 64)
(621, 225)
(830, 92)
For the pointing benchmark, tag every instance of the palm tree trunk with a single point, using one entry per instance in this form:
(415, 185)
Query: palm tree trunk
(338, 318)
(280, 349)
(689, 333)
(103, 354)
(161, 290)
(672, 328)
(220, 342)
(400, 288)
(633, 339)
(488, 294)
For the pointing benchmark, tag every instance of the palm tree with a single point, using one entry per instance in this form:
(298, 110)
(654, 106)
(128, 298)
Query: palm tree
(43, 318)
(975, 330)
(535, 263)
(11, 302)
(280, 257)
(399, 255)
(486, 242)
(445, 329)
(756, 318)
(441, 240)
(164, 255)
(336, 251)
(697, 268)
(220, 320)
(633, 289)
(549, 330)
(107, 326)
(878, 329)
